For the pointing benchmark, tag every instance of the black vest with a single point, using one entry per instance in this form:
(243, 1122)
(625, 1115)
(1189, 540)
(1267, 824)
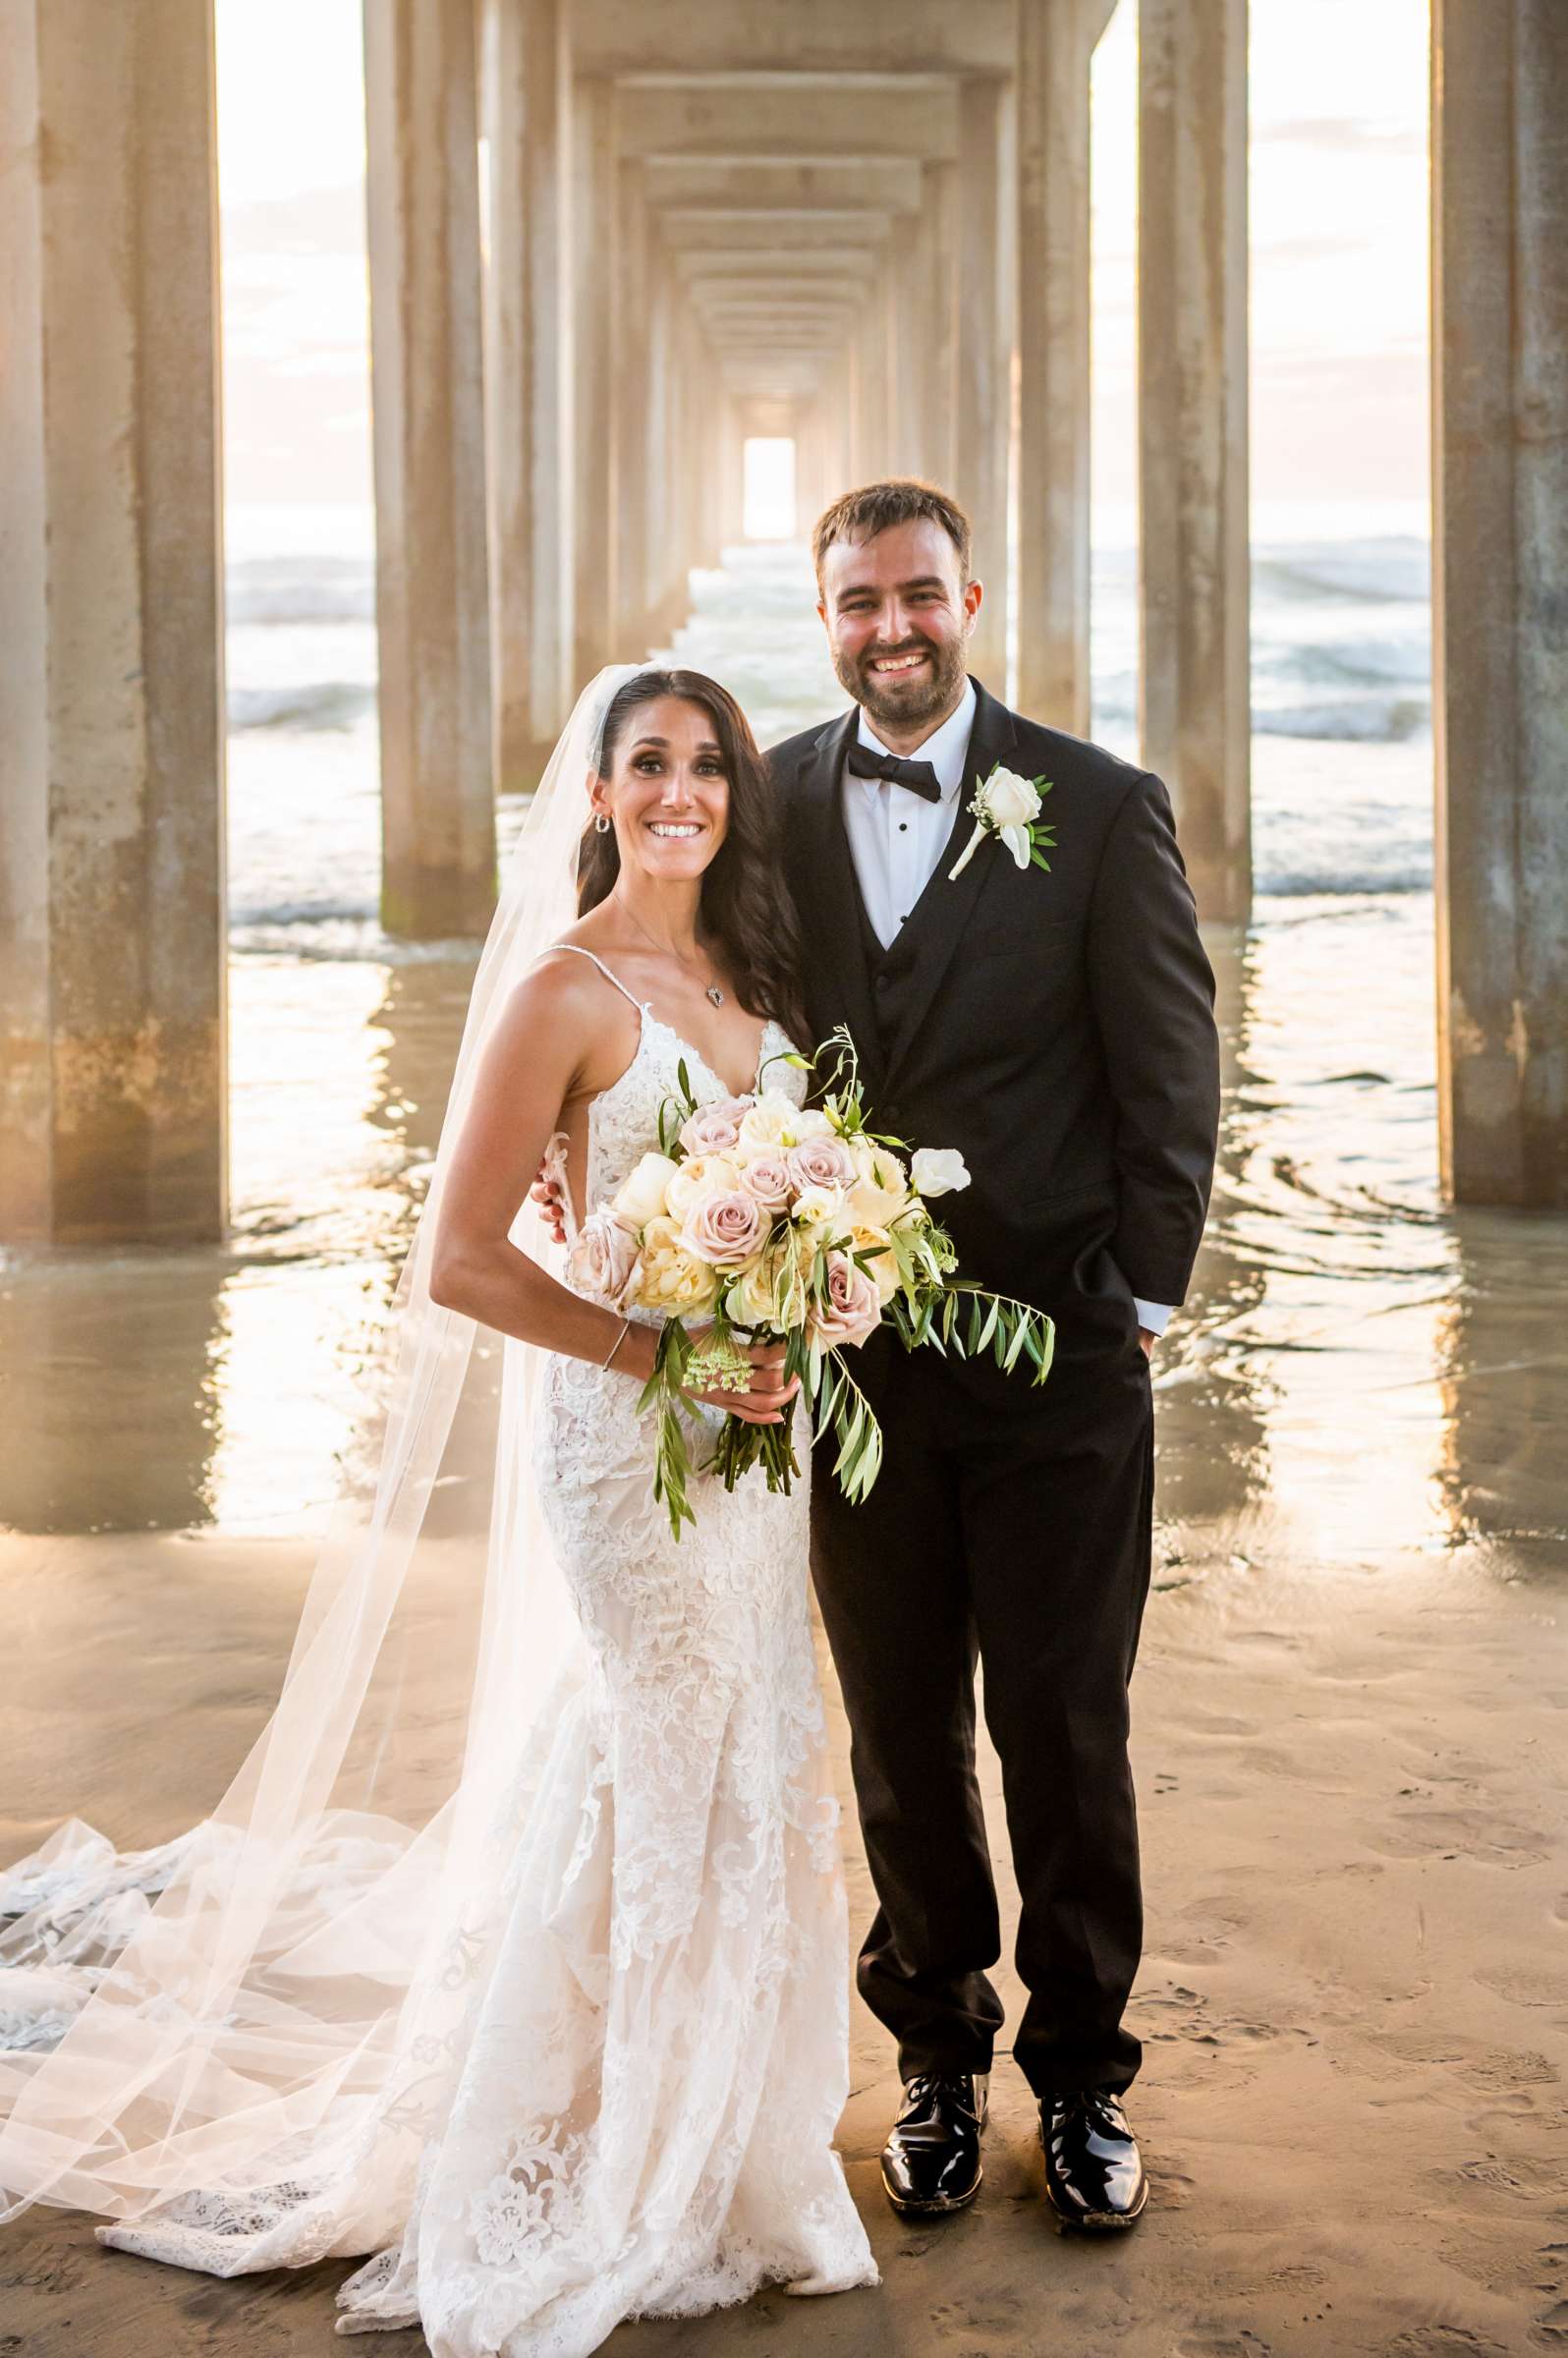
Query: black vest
(890, 971)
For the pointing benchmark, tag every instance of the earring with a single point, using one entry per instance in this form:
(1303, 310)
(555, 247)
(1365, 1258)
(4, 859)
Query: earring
(601, 825)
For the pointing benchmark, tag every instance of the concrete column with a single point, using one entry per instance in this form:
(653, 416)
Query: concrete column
(530, 423)
(936, 312)
(112, 1082)
(1500, 620)
(635, 456)
(1191, 334)
(870, 433)
(426, 352)
(663, 575)
(983, 440)
(593, 286)
(1055, 48)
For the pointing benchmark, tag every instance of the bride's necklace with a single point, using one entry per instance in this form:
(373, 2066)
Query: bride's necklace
(711, 990)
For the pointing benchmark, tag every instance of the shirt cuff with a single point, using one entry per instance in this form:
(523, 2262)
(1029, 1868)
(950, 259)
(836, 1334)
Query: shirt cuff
(1154, 1316)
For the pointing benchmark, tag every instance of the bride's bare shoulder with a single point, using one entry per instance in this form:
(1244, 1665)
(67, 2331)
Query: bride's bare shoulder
(565, 1015)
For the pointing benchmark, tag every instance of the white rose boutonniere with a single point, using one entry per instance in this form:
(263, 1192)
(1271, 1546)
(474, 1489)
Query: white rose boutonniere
(1008, 806)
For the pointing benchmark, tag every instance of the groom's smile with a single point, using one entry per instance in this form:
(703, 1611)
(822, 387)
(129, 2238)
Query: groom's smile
(898, 612)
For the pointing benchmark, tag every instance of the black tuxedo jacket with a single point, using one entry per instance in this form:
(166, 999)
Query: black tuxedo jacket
(1058, 1029)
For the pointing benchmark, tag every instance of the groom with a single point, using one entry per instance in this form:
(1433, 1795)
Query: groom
(1057, 1028)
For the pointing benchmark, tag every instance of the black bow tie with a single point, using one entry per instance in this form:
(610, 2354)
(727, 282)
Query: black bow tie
(919, 778)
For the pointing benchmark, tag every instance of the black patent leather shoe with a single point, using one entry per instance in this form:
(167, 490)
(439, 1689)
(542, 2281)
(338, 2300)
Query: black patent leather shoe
(1093, 2176)
(931, 2163)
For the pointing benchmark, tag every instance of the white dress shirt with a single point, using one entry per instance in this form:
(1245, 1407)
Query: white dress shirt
(896, 839)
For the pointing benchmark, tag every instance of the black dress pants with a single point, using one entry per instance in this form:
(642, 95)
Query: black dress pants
(1016, 1525)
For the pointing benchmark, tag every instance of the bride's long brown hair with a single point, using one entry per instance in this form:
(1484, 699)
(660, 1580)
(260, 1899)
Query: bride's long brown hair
(747, 913)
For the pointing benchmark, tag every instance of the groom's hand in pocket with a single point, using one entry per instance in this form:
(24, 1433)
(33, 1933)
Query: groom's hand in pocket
(1147, 1339)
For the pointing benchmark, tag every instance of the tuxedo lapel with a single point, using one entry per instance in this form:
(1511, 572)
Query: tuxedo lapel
(940, 917)
(836, 937)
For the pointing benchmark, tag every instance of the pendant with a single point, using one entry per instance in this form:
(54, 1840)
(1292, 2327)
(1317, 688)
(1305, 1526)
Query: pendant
(715, 994)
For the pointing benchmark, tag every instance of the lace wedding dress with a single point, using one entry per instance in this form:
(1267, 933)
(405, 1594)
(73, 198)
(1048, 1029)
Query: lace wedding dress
(629, 2105)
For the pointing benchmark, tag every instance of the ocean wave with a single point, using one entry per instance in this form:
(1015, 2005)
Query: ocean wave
(1347, 720)
(302, 704)
(1391, 572)
(1368, 720)
(281, 590)
(1358, 663)
(1322, 884)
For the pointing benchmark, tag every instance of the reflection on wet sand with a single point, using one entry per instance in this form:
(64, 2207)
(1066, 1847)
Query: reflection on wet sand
(1502, 1344)
(1358, 1374)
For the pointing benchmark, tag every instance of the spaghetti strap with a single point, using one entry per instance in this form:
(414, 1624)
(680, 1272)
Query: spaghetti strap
(577, 951)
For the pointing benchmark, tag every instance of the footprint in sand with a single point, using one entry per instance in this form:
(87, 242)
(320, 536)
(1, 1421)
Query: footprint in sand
(1504, 2067)
(1474, 1836)
(1443, 2341)
(1523, 1984)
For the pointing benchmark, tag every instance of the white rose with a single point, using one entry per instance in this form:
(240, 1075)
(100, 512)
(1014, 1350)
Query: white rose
(763, 1125)
(775, 1122)
(818, 1206)
(1007, 800)
(939, 1172)
(641, 1196)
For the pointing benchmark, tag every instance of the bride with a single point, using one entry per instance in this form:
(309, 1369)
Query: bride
(515, 1955)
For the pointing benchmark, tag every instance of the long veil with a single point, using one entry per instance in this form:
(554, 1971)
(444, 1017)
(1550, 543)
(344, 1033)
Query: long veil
(249, 2033)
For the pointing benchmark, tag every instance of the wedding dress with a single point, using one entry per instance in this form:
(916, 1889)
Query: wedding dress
(604, 2049)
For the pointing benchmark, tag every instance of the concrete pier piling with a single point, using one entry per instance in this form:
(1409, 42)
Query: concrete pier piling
(1500, 594)
(433, 581)
(112, 1067)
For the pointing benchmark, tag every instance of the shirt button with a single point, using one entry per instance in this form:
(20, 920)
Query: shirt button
(903, 827)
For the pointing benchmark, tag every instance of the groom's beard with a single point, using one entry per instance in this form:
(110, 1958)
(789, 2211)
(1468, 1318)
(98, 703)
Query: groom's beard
(922, 697)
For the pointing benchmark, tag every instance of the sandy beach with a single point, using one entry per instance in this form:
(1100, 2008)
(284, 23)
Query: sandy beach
(1349, 1734)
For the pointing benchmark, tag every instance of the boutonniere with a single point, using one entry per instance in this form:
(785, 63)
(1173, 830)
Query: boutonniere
(1008, 806)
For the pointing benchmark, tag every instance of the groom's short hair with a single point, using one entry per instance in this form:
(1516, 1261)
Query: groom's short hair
(860, 514)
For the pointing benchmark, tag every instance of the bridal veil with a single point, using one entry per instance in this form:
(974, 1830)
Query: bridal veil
(248, 2025)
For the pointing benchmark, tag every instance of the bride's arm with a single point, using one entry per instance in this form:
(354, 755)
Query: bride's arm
(535, 1059)
(533, 1062)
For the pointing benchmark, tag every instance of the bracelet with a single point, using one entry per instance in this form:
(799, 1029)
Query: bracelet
(619, 1340)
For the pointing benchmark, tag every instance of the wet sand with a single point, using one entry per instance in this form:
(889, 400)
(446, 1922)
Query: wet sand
(1350, 1731)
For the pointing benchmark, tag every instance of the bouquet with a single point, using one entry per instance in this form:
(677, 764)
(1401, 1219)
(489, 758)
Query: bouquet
(794, 1225)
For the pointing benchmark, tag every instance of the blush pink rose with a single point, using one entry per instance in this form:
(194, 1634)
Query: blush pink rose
(602, 1262)
(715, 1129)
(768, 1180)
(821, 1162)
(726, 1230)
(854, 1308)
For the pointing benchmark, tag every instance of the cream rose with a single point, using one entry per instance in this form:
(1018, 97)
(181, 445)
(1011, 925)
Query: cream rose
(769, 1293)
(602, 1262)
(671, 1280)
(715, 1129)
(881, 1187)
(728, 1230)
(852, 1310)
(703, 1175)
(639, 1197)
(884, 1269)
